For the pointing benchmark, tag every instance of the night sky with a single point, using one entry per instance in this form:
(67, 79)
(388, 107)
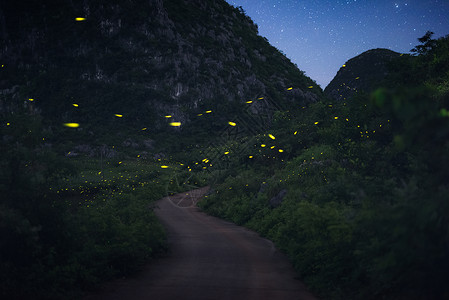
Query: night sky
(321, 35)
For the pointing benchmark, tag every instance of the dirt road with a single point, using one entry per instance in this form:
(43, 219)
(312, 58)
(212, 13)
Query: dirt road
(209, 259)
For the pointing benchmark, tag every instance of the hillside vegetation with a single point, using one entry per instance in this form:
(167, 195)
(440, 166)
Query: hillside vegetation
(358, 196)
(102, 116)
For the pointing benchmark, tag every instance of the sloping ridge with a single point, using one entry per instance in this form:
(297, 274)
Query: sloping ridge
(361, 73)
(143, 60)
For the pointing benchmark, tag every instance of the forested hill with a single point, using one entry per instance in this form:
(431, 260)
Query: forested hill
(363, 73)
(142, 60)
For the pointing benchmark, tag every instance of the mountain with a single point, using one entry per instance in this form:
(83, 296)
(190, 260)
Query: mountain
(361, 73)
(120, 66)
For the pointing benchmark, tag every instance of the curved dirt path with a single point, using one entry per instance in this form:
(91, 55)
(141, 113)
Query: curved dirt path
(209, 259)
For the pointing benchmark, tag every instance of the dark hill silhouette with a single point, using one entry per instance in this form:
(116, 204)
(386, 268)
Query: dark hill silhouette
(361, 73)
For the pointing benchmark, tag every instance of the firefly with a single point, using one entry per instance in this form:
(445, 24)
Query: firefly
(289, 89)
(175, 124)
(118, 115)
(74, 104)
(271, 136)
(232, 123)
(164, 167)
(72, 125)
(79, 19)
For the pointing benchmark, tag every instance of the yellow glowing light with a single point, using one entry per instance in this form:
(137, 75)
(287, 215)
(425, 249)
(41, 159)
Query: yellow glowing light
(249, 102)
(335, 118)
(72, 125)
(74, 104)
(311, 87)
(232, 123)
(357, 78)
(164, 167)
(280, 150)
(316, 123)
(168, 117)
(295, 133)
(99, 173)
(263, 145)
(144, 128)
(344, 66)
(118, 115)
(208, 111)
(199, 115)
(226, 153)
(120, 163)
(272, 147)
(250, 156)
(175, 124)
(289, 89)
(347, 119)
(79, 19)
(260, 98)
(271, 136)
(31, 99)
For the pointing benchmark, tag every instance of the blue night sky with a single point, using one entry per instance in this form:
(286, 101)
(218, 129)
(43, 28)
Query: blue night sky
(321, 35)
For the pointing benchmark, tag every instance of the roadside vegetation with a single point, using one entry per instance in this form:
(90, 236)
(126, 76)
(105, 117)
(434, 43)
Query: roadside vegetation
(69, 223)
(355, 192)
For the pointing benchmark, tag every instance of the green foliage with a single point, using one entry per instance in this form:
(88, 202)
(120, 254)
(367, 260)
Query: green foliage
(69, 224)
(365, 214)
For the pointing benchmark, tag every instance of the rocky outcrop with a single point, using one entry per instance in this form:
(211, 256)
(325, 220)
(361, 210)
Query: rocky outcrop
(277, 200)
(142, 59)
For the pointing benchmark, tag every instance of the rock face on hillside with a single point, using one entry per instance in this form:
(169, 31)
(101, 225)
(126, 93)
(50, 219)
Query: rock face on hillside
(360, 73)
(141, 59)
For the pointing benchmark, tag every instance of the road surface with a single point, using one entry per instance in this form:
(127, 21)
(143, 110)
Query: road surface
(208, 259)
